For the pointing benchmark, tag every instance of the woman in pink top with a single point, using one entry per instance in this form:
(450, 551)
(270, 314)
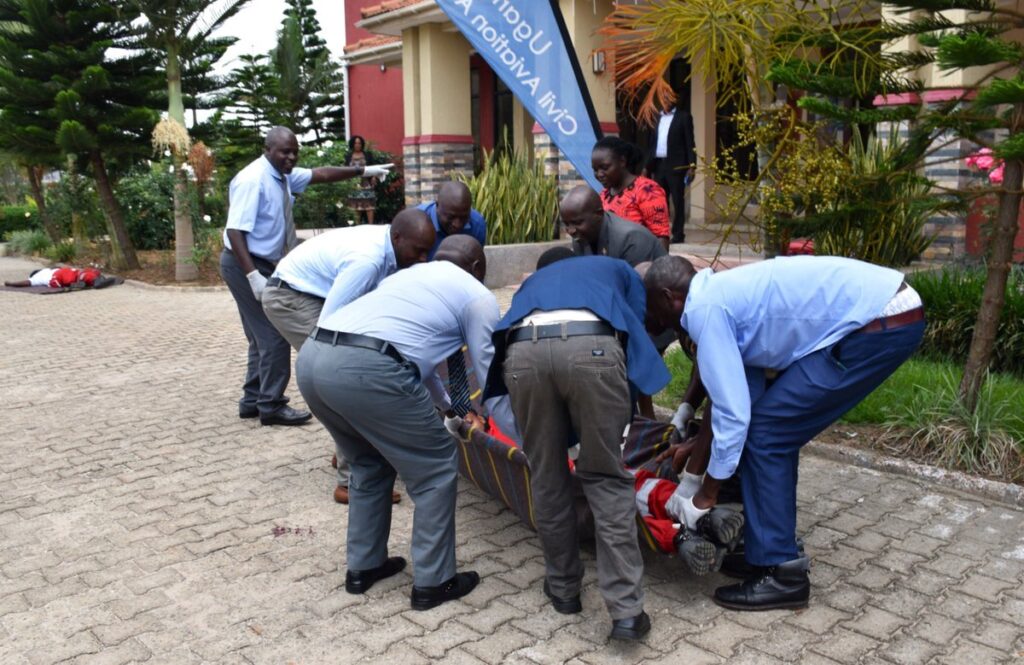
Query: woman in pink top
(626, 194)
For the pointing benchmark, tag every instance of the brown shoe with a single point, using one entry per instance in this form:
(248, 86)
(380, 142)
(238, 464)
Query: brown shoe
(341, 495)
(334, 461)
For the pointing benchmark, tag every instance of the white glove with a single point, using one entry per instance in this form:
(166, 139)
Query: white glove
(683, 511)
(452, 424)
(258, 282)
(689, 485)
(683, 415)
(377, 171)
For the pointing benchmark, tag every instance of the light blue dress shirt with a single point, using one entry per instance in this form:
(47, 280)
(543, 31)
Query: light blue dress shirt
(340, 265)
(769, 315)
(428, 311)
(476, 226)
(256, 206)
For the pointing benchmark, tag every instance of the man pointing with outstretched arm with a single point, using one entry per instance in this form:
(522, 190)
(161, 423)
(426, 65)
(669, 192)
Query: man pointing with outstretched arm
(260, 230)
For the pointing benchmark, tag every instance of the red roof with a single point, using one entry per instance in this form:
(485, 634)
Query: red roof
(371, 42)
(385, 7)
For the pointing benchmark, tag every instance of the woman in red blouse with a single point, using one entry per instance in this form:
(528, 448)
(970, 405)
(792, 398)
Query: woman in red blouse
(626, 194)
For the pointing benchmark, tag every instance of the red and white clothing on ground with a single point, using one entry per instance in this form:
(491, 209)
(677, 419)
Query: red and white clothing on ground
(62, 277)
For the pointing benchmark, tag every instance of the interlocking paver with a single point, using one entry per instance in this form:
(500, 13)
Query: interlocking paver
(142, 521)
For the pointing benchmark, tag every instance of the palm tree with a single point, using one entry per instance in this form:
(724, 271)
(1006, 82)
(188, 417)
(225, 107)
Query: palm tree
(175, 27)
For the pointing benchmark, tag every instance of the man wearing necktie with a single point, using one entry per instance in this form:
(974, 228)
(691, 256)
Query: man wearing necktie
(260, 230)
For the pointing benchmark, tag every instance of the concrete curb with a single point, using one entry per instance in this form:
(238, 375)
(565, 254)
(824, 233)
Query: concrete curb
(181, 288)
(950, 480)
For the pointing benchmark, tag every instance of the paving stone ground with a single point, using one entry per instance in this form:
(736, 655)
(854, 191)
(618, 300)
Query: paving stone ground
(142, 521)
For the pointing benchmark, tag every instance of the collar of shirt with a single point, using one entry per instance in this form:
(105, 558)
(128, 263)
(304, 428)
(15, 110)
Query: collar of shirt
(390, 260)
(269, 168)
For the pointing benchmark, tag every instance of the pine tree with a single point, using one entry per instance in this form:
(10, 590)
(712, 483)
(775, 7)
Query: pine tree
(102, 105)
(951, 35)
(28, 126)
(246, 111)
(310, 91)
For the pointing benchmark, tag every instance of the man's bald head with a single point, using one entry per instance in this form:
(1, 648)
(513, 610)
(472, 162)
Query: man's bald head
(281, 149)
(465, 252)
(276, 134)
(454, 204)
(582, 214)
(412, 236)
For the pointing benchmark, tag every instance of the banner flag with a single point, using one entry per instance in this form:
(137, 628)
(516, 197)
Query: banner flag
(527, 46)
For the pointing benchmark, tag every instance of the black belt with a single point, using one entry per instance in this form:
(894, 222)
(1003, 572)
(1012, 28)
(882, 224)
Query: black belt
(567, 329)
(277, 281)
(361, 341)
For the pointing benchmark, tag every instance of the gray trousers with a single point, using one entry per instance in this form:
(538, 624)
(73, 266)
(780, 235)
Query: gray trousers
(383, 419)
(579, 384)
(269, 364)
(295, 314)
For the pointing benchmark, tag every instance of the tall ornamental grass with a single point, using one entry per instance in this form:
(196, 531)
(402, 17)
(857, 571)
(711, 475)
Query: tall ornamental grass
(518, 200)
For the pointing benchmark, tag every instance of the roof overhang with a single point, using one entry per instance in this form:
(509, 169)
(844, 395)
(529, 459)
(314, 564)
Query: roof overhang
(393, 22)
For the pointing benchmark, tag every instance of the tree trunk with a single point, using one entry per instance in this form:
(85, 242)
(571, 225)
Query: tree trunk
(184, 269)
(184, 242)
(35, 178)
(122, 251)
(1000, 256)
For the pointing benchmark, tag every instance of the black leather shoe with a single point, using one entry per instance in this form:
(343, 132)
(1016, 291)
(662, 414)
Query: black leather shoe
(632, 628)
(360, 581)
(427, 597)
(248, 412)
(563, 605)
(735, 564)
(784, 586)
(286, 415)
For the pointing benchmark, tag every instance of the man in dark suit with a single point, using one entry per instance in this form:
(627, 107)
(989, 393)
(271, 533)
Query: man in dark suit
(672, 160)
(566, 353)
(600, 233)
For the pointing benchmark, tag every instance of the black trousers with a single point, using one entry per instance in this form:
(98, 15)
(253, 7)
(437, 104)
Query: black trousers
(673, 181)
(270, 356)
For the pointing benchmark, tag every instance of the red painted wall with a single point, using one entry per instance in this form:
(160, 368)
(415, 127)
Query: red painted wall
(375, 97)
(375, 105)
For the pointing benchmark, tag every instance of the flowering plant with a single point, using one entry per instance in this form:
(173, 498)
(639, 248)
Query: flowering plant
(984, 160)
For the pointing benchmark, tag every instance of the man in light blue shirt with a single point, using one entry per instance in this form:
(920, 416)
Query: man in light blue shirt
(784, 348)
(360, 373)
(452, 214)
(333, 269)
(260, 230)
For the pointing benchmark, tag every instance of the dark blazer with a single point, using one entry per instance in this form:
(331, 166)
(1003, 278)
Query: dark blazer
(682, 147)
(622, 239)
(607, 287)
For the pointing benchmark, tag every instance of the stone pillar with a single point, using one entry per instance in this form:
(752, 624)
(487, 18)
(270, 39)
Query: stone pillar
(436, 84)
(582, 19)
(703, 108)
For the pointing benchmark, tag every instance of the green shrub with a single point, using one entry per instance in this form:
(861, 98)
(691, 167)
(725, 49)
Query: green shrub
(519, 201)
(147, 197)
(882, 208)
(952, 297)
(18, 218)
(63, 252)
(74, 206)
(28, 242)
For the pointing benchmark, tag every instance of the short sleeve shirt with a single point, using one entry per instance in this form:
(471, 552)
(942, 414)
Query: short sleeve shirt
(643, 202)
(256, 206)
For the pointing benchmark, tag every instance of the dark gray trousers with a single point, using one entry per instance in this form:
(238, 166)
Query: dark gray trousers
(269, 365)
(295, 314)
(384, 421)
(559, 386)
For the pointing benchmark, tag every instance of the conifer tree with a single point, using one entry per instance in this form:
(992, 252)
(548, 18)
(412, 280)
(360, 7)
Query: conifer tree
(100, 104)
(952, 35)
